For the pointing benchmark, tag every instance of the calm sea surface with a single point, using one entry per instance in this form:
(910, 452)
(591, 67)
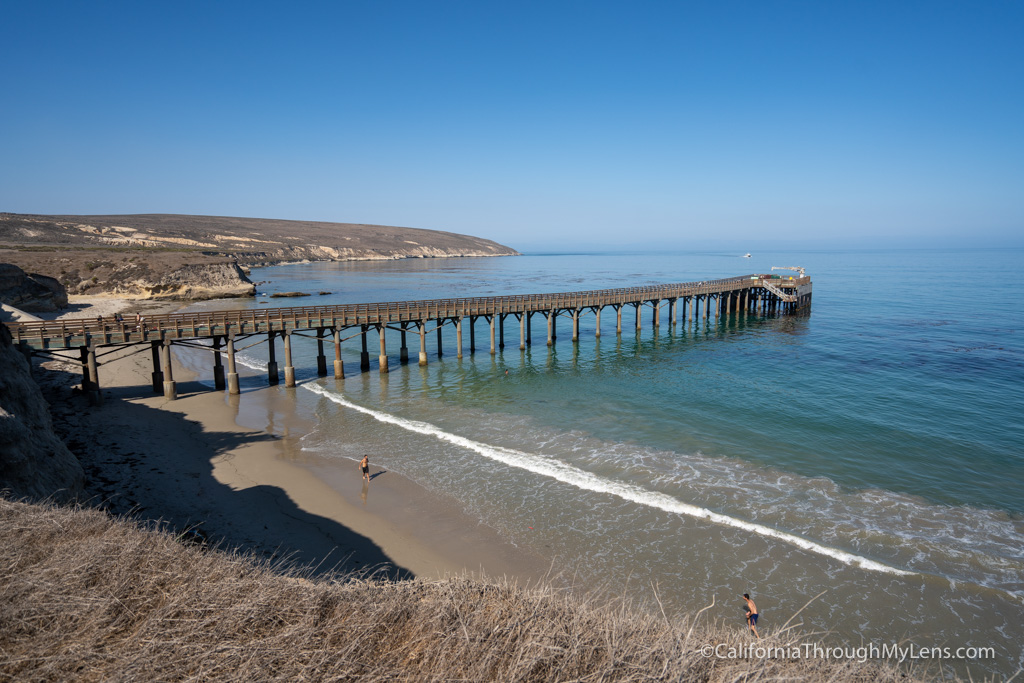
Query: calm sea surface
(872, 449)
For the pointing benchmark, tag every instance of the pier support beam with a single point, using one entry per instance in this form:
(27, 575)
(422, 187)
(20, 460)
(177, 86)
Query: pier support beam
(83, 356)
(272, 363)
(94, 394)
(158, 375)
(618, 319)
(321, 359)
(339, 365)
(597, 322)
(529, 335)
(382, 359)
(638, 306)
(439, 351)
(657, 315)
(364, 357)
(492, 321)
(501, 331)
(423, 342)
(672, 312)
(551, 326)
(472, 334)
(170, 388)
(218, 365)
(289, 369)
(403, 352)
(522, 332)
(458, 337)
(232, 370)
(575, 325)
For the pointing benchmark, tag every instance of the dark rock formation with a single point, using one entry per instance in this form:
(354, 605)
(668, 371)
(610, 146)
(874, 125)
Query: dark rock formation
(30, 291)
(34, 462)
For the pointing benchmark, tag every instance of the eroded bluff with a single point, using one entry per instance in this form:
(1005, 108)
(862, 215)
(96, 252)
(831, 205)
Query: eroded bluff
(34, 462)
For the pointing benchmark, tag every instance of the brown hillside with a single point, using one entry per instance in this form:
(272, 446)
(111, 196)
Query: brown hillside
(199, 257)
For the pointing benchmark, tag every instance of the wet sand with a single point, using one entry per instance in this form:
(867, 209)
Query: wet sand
(192, 465)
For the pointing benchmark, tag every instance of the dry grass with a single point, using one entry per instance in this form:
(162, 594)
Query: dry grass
(86, 597)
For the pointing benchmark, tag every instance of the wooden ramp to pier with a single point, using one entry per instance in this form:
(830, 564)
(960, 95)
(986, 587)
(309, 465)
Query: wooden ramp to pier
(86, 340)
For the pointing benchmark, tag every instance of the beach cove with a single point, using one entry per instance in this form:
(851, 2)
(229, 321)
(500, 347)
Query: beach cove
(194, 465)
(630, 507)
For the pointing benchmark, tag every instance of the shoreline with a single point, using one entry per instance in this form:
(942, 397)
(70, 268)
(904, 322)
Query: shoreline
(192, 465)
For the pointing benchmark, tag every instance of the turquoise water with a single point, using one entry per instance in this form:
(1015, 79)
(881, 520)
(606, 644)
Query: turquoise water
(873, 448)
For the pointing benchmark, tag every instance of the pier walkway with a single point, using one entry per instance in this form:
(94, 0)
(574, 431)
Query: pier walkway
(87, 340)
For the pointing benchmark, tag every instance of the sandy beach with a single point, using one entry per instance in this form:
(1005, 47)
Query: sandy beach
(189, 464)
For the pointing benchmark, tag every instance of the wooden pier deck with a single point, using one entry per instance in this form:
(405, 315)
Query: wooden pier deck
(753, 293)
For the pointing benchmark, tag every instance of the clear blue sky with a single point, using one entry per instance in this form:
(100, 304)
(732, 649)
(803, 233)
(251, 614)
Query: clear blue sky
(649, 123)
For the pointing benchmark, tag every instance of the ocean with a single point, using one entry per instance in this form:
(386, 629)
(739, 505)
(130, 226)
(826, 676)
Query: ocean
(866, 456)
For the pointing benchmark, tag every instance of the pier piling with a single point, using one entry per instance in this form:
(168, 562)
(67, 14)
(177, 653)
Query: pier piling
(289, 369)
(423, 342)
(364, 358)
(232, 371)
(170, 388)
(272, 363)
(321, 359)
(158, 375)
(382, 359)
(339, 366)
(218, 366)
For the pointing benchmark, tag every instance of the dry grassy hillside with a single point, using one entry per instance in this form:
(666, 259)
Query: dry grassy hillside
(250, 240)
(88, 598)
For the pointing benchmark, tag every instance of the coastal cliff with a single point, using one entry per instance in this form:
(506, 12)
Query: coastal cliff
(29, 291)
(156, 256)
(34, 462)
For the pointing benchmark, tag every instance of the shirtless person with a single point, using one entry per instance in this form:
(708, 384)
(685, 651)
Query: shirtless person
(364, 464)
(751, 614)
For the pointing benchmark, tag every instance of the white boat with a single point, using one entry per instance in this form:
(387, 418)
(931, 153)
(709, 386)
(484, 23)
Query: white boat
(746, 256)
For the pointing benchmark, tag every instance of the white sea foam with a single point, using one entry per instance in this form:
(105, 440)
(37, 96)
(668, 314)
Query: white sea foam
(588, 481)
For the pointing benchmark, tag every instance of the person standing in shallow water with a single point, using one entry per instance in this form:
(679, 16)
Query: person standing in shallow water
(364, 465)
(751, 614)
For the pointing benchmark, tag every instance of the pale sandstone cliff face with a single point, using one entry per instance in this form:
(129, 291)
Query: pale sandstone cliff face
(135, 275)
(190, 283)
(34, 463)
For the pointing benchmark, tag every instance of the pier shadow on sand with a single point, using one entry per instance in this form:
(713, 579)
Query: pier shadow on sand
(156, 466)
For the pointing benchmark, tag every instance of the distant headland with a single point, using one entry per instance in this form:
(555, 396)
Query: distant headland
(167, 256)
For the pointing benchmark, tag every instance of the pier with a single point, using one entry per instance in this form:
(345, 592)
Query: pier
(87, 341)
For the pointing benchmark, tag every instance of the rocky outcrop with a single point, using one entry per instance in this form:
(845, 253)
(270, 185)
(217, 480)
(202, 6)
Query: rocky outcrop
(34, 462)
(30, 291)
(139, 275)
(190, 282)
